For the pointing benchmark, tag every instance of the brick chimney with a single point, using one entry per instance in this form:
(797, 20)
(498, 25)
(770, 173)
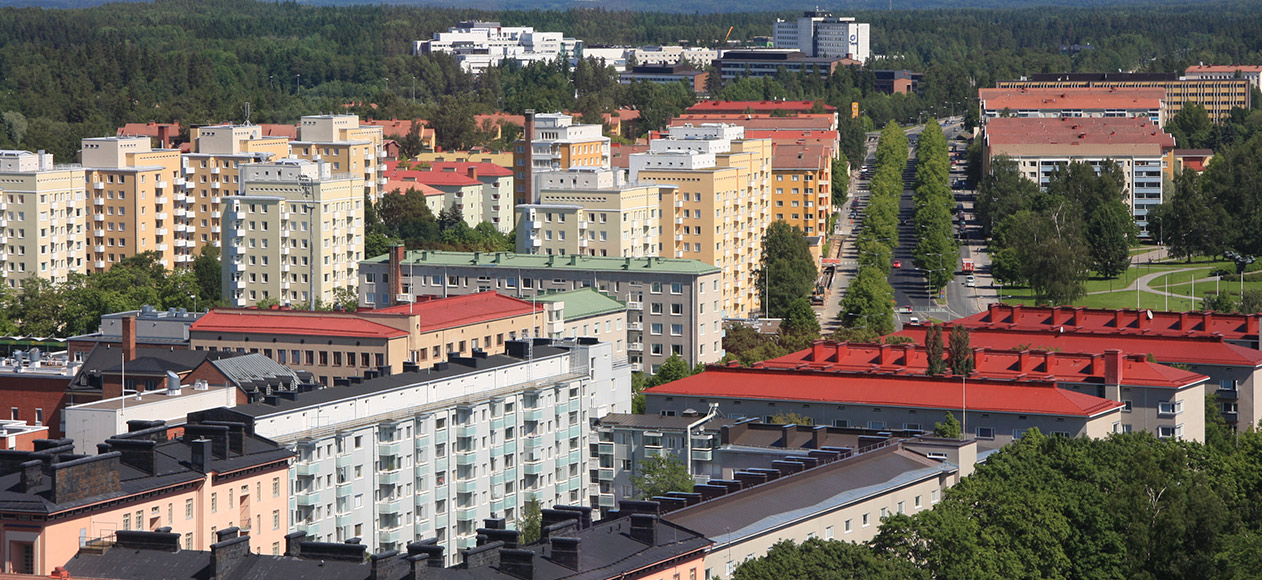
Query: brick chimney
(993, 312)
(1060, 316)
(1023, 361)
(1112, 366)
(129, 338)
(396, 272)
(528, 135)
(1251, 325)
(472, 172)
(887, 354)
(1141, 319)
(644, 528)
(819, 351)
(567, 552)
(1119, 319)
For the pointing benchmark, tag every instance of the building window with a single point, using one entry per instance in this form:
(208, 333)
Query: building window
(985, 433)
(1170, 407)
(188, 509)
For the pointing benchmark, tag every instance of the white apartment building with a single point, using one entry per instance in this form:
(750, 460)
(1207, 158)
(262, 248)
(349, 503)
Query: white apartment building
(670, 55)
(594, 212)
(43, 218)
(431, 453)
(478, 45)
(295, 232)
(819, 34)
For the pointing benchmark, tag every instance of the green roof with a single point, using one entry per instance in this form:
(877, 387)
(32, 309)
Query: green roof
(538, 261)
(582, 303)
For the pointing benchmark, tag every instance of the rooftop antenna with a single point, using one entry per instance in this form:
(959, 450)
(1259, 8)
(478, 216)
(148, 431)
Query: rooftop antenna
(247, 112)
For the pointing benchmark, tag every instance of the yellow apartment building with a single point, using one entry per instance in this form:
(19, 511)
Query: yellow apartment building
(133, 207)
(212, 171)
(802, 185)
(346, 146)
(593, 212)
(43, 218)
(721, 204)
(555, 143)
(1218, 96)
(295, 232)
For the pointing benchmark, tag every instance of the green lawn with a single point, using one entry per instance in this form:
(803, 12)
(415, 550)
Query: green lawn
(1119, 299)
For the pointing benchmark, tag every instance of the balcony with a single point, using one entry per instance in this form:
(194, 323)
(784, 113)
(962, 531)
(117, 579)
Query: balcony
(388, 449)
(163, 185)
(179, 181)
(310, 499)
(636, 326)
(607, 500)
(635, 306)
(160, 215)
(533, 467)
(100, 201)
(306, 469)
(679, 221)
(214, 185)
(604, 474)
(635, 347)
(467, 486)
(214, 171)
(240, 284)
(679, 203)
(162, 247)
(215, 214)
(99, 249)
(214, 229)
(389, 536)
(99, 264)
(98, 185)
(582, 224)
(98, 217)
(161, 231)
(390, 506)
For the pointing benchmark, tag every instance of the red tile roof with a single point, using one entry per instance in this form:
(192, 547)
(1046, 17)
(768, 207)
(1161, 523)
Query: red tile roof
(400, 127)
(1235, 327)
(462, 167)
(908, 391)
(1072, 98)
(756, 106)
(805, 122)
(456, 311)
(294, 322)
(1077, 131)
(801, 156)
(434, 178)
(273, 130)
(149, 129)
(498, 119)
(793, 135)
(402, 187)
(1036, 365)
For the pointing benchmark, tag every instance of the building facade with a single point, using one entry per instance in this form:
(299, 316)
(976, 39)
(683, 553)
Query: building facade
(736, 64)
(721, 204)
(1218, 96)
(44, 219)
(479, 45)
(673, 306)
(212, 171)
(134, 209)
(553, 142)
(593, 212)
(431, 453)
(802, 180)
(295, 235)
(346, 146)
(1251, 73)
(821, 34)
(1105, 102)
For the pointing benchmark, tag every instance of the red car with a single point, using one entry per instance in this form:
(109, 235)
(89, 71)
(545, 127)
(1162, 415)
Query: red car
(898, 264)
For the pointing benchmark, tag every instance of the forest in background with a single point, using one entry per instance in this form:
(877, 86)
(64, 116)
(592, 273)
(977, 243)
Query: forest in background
(67, 74)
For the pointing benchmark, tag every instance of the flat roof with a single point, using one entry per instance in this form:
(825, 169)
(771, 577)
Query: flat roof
(511, 261)
(1072, 98)
(457, 311)
(584, 302)
(892, 390)
(1073, 131)
(297, 322)
(757, 106)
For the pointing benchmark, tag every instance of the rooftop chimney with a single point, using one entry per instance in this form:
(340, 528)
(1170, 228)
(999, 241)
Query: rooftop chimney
(1112, 367)
(567, 552)
(396, 272)
(387, 566)
(529, 136)
(518, 563)
(644, 528)
(228, 554)
(129, 338)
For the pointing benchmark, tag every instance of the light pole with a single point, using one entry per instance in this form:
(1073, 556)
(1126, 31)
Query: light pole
(413, 89)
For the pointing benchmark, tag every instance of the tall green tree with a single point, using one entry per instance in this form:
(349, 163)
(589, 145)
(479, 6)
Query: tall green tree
(531, 523)
(826, 559)
(788, 270)
(960, 359)
(659, 475)
(934, 351)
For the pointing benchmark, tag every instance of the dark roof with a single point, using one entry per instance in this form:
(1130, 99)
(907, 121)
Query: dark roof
(107, 359)
(455, 367)
(763, 508)
(1103, 77)
(608, 551)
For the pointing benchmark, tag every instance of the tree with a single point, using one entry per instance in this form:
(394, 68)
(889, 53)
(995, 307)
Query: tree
(1190, 222)
(934, 351)
(1219, 302)
(949, 428)
(672, 369)
(531, 523)
(1191, 126)
(826, 560)
(209, 276)
(660, 475)
(790, 418)
(1003, 192)
(788, 271)
(800, 325)
(960, 358)
(840, 183)
(452, 119)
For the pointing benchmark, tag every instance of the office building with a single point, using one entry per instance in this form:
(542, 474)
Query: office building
(212, 171)
(430, 453)
(334, 345)
(294, 235)
(666, 74)
(346, 146)
(134, 209)
(214, 478)
(1218, 96)
(1220, 346)
(802, 180)
(1146, 103)
(1040, 146)
(697, 56)
(637, 546)
(1251, 73)
(552, 142)
(721, 205)
(35, 388)
(673, 306)
(736, 64)
(996, 411)
(897, 81)
(821, 34)
(44, 219)
(594, 212)
(478, 45)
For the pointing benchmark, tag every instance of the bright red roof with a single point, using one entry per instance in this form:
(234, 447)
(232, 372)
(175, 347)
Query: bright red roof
(1036, 365)
(402, 187)
(909, 391)
(149, 129)
(462, 167)
(1237, 327)
(456, 311)
(1076, 131)
(756, 106)
(296, 322)
(274, 130)
(434, 178)
(1072, 98)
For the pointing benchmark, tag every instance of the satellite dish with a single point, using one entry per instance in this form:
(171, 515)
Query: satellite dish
(1149, 313)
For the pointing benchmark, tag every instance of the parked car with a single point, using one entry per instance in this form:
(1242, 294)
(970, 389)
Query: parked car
(970, 281)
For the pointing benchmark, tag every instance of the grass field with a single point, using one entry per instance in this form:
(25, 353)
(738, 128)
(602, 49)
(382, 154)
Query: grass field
(1111, 293)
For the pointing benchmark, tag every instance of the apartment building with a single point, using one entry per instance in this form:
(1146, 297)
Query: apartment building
(430, 453)
(586, 312)
(497, 189)
(818, 33)
(482, 191)
(295, 234)
(1251, 73)
(635, 546)
(134, 209)
(335, 345)
(1148, 389)
(673, 306)
(1040, 146)
(1220, 346)
(216, 477)
(666, 74)
(479, 45)
(1218, 95)
(1147, 103)
(996, 411)
(43, 218)
(721, 205)
(802, 180)
(212, 171)
(594, 212)
(553, 142)
(347, 146)
(765, 63)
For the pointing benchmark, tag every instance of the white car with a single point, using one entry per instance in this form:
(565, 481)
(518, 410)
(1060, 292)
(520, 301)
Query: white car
(971, 282)
(914, 320)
